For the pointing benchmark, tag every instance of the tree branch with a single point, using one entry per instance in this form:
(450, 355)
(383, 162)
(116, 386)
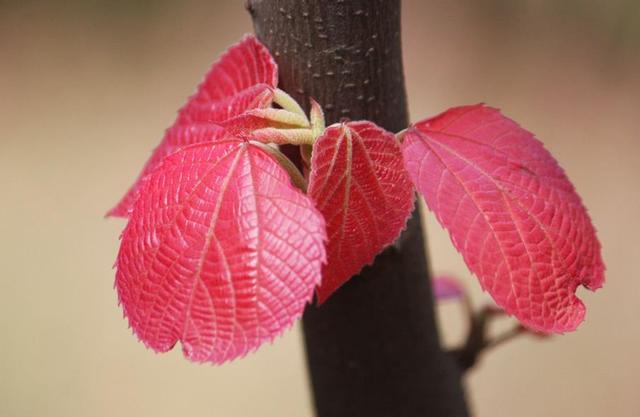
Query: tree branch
(373, 348)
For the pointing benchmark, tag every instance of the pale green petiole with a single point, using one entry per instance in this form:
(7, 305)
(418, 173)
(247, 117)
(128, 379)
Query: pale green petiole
(287, 102)
(317, 119)
(295, 128)
(284, 136)
(281, 116)
(296, 177)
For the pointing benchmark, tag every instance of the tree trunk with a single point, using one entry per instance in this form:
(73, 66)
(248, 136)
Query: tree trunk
(373, 348)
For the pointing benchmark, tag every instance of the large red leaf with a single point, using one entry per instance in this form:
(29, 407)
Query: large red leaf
(241, 80)
(221, 252)
(510, 211)
(175, 138)
(359, 184)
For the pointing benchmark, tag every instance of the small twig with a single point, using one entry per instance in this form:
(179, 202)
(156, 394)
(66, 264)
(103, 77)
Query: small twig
(505, 337)
(478, 340)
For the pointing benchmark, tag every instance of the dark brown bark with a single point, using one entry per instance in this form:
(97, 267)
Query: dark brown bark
(373, 347)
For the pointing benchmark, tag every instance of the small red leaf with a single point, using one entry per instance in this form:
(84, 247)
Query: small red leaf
(221, 252)
(242, 79)
(510, 210)
(447, 287)
(359, 184)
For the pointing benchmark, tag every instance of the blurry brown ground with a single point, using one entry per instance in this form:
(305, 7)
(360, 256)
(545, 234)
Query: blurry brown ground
(86, 89)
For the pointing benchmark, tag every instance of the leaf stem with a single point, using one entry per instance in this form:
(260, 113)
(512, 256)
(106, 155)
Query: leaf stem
(305, 153)
(505, 337)
(287, 102)
(316, 116)
(282, 117)
(284, 136)
(296, 176)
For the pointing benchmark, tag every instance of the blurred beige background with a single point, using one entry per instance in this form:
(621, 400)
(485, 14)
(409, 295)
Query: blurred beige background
(86, 89)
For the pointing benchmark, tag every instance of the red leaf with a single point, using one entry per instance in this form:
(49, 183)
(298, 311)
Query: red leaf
(360, 186)
(510, 210)
(221, 252)
(175, 138)
(446, 287)
(242, 79)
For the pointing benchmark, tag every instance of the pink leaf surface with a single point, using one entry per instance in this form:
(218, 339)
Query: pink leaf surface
(359, 184)
(221, 252)
(511, 212)
(175, 138)
(241, 80)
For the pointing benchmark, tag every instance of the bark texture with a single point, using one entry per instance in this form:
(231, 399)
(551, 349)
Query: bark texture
(373, 347)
